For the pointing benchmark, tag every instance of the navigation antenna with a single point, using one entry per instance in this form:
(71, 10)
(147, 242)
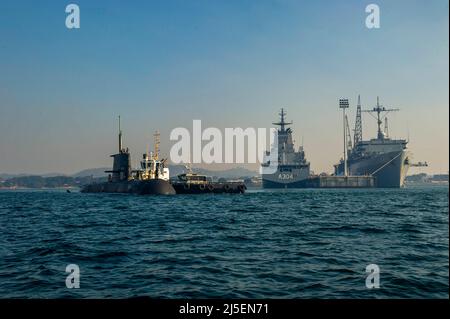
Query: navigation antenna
(379, 109)
(357, 137)
(156, 137)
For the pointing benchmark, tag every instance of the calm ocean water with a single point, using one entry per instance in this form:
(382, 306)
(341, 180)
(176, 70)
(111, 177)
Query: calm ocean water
(264, 244)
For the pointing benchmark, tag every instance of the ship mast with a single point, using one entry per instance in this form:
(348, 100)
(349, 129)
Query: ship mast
(282, 123)
(156, 137)
(379, 109)
(120, 137)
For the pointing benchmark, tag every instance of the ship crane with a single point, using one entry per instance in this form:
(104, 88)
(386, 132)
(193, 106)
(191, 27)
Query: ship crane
(349, 138)
(386, 127)
(378, 110)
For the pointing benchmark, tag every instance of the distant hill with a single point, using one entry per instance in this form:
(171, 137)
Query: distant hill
(95, 172)
(8, 176)
(47, 182)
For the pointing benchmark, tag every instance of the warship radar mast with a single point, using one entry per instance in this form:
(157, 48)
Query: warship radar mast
(378, 110)
(282, 123)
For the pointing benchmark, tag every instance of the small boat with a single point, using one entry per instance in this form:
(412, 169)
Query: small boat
(192, 183)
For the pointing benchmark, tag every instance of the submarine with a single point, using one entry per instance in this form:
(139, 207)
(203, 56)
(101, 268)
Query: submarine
(151, 179)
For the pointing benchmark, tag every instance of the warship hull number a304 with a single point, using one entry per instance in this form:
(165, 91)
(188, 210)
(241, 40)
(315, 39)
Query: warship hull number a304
(293, 168)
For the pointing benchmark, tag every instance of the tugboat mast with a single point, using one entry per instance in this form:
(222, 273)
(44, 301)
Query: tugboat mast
(156, 137)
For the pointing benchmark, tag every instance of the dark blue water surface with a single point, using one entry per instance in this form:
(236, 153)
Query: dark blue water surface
(276, 244)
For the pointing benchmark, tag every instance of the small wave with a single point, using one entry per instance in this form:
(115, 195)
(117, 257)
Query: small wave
(41, 251)
(107, 256)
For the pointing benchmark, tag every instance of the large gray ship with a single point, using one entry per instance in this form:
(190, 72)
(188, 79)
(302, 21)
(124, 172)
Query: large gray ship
(388, 160)
(291, 168)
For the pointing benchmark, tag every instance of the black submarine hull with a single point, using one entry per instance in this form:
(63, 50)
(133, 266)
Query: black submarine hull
(146, 187)
(217, 188)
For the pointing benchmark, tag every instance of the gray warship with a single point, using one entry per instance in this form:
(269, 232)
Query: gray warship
(292, 167)
(388, 160)
(151, 179)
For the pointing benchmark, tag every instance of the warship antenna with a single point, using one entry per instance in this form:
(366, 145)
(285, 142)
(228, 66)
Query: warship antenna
(379, 109)
(357, 137)
(282, 123)
(343, 104)
(120, 137)
(156, 136)
(378, 117)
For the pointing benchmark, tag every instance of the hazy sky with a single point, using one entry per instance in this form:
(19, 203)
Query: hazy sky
(161, 64)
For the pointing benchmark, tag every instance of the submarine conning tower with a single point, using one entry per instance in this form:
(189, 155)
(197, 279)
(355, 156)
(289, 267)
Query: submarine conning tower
(121, 162)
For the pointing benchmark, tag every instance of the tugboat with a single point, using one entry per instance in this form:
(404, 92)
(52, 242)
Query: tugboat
(152, 178)
(192, 183)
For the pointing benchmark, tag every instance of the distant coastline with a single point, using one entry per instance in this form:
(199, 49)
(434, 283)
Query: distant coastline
(249, 177)
(98, 175)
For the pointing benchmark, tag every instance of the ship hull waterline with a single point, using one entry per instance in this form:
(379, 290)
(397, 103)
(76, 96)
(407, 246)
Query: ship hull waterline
(146, 187)
(389, 169)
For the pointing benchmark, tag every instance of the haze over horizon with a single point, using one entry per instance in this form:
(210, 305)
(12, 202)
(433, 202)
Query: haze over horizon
(160, 65)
